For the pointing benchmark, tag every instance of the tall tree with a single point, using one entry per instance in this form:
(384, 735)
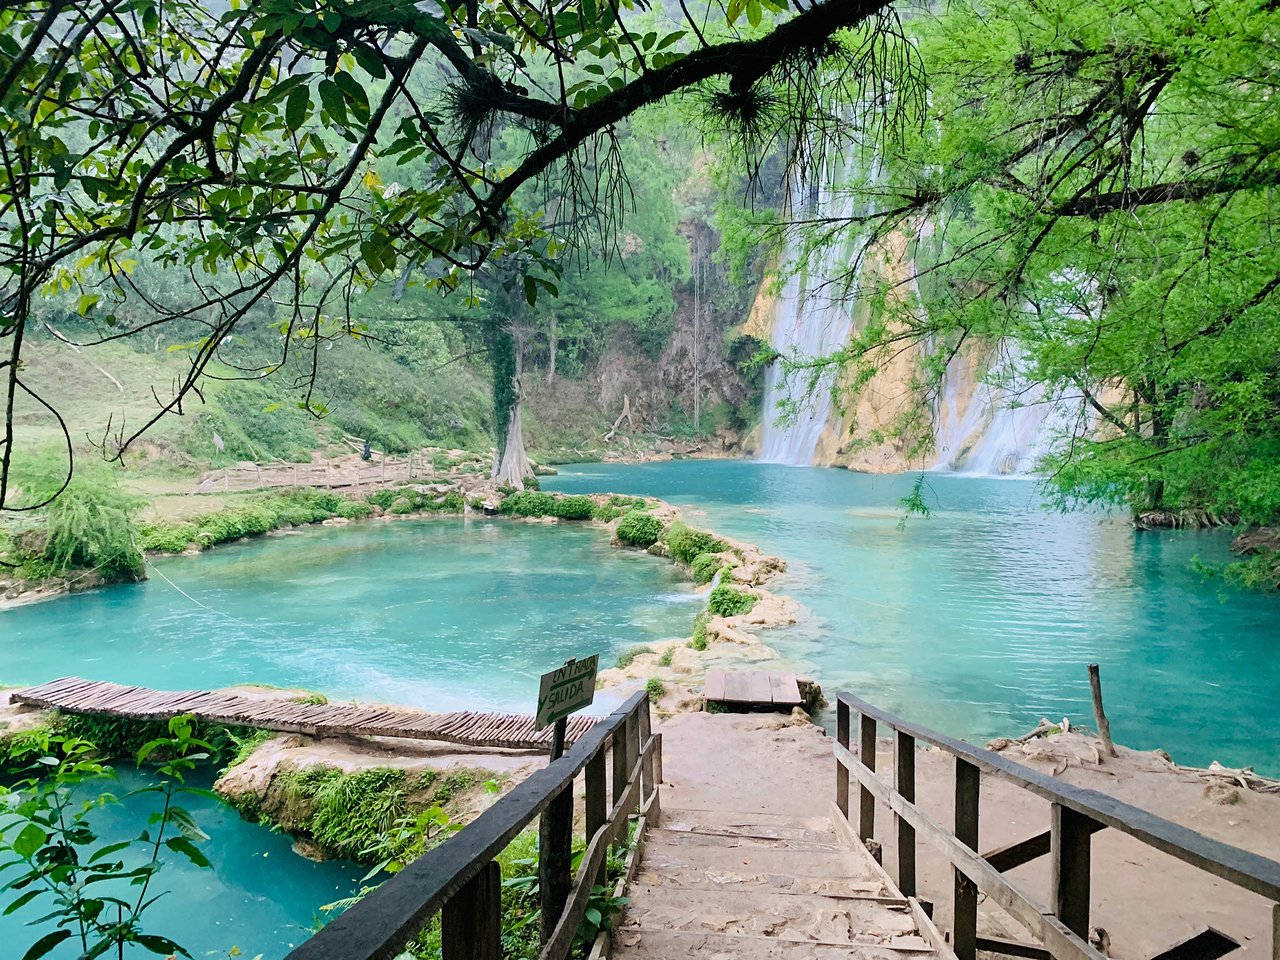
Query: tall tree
(243, 147)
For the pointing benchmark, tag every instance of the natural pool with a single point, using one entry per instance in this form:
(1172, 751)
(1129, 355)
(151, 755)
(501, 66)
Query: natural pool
(980, 620)
(258, 897)
(441, 613)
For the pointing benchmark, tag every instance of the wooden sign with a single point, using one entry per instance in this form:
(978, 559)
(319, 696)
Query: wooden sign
(565, 690)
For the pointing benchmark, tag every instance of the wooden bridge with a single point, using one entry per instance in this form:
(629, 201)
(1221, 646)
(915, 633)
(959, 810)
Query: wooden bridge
(76, 695)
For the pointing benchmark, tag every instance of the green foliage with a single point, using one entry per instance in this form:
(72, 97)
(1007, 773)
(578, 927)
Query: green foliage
(667, 656)
(244, 746)
(64, 871)
(639, 529)
(618, 506)
(115, 737)
(686, 543)
(699, 639)
(705, 566)
(726, 601)
(913, 504)
(90, 525)
(654, 688)
(628, 655)
(531, 503)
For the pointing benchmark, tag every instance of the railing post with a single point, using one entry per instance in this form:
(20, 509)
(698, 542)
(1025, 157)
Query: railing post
(633, 749)
(842, 772)
(904, 781)
(471, 921)
(964, 904)
(555, 846)
(866, 799)
(618, 748)
(1069, 846)
(597, 799)
(646, 769)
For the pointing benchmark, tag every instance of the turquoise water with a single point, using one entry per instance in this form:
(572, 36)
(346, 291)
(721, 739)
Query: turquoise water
(258, 896)
(443, 613)
(980, 620)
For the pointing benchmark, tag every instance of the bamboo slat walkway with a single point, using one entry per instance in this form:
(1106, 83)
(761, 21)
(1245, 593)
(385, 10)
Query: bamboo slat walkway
(76, 695)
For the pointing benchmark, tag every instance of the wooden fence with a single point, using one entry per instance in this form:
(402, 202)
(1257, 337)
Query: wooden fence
(1076, 814)
(460, 879)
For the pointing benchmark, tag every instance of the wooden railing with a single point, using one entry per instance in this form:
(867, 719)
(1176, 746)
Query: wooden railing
(460, 879)
(1075, 815)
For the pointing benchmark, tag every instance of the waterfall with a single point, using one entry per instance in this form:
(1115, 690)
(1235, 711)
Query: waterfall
(813, 318)
(992, 430)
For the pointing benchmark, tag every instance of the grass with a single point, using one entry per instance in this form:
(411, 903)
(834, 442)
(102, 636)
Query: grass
(686, 543)
(699, 641)
(655, 688)
(627, 656)
(667, 655)
(725, 601)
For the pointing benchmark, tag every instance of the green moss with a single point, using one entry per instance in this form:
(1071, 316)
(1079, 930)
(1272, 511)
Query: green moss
(725, 601)
(655, 688)
(699, 641)
(685, 543)
(311, 699)
(450, 785)
(628, 655)
(618, 506)
(639, 529)
(705, 566)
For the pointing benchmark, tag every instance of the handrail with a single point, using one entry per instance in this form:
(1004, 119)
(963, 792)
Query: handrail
(1076, 814)
(1241, 867)
(379, 925)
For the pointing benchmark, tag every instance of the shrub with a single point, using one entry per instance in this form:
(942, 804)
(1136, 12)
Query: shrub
(167, 537)
(725, 601)
(705, 566)
(618, 506)
(574, 508)
(528, 503)
(686, 543)
(247, 521)
(638, 529)
(699, 641)
(667, 656)
(655, 688)
(628, 655)
(354, 509)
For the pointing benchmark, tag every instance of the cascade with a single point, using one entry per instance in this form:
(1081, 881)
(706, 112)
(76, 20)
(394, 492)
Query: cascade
(813, 318)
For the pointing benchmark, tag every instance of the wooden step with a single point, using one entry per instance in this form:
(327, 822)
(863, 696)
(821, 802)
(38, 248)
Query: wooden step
(669, 945)
(662, 854)
(703, 838)
(697, 878)
(748, 827)
(758, 913)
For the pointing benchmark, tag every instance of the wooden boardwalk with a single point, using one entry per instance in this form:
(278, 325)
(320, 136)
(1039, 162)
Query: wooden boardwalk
(749, 688)
(76, 695)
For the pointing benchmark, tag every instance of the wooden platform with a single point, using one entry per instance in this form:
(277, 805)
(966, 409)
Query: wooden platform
(75, 695)
(749, 688)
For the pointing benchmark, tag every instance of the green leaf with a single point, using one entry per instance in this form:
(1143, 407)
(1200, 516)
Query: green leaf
(45, 944)
(296, 107)
(21, 902)
(29, 840)
(531, 290)
(188, 849)
(335, 105)
(369, 62)
(109, 850)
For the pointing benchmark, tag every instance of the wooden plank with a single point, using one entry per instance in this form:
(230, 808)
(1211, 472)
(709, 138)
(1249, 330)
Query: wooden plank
(1024, 851)
(904, 781)
(964, 902)
(471, 920)
(759, 689)
(1069, 882)
(842, 772)
(867, 754)
(737, 687)
(713, 686)
(785, 690)
(1208, 944)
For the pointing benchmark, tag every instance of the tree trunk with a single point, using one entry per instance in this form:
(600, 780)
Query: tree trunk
(511, 465)
(552, 343)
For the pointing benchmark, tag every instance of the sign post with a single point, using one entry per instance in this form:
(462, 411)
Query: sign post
(561, 692)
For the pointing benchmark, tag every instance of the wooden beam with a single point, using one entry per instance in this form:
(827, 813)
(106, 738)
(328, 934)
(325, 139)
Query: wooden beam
(555, 846)
(1208, 944)
(1024, 851)
(713, 686)
(596, 800)
(904, 775)
(471, 921)
(964, 904)
(1012, 948)
(866, 799)
(842, 771)
(1069, 882)
(785, 690)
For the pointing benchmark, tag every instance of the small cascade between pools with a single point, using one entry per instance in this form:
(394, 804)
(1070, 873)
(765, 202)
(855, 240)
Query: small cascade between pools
(813, 318)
